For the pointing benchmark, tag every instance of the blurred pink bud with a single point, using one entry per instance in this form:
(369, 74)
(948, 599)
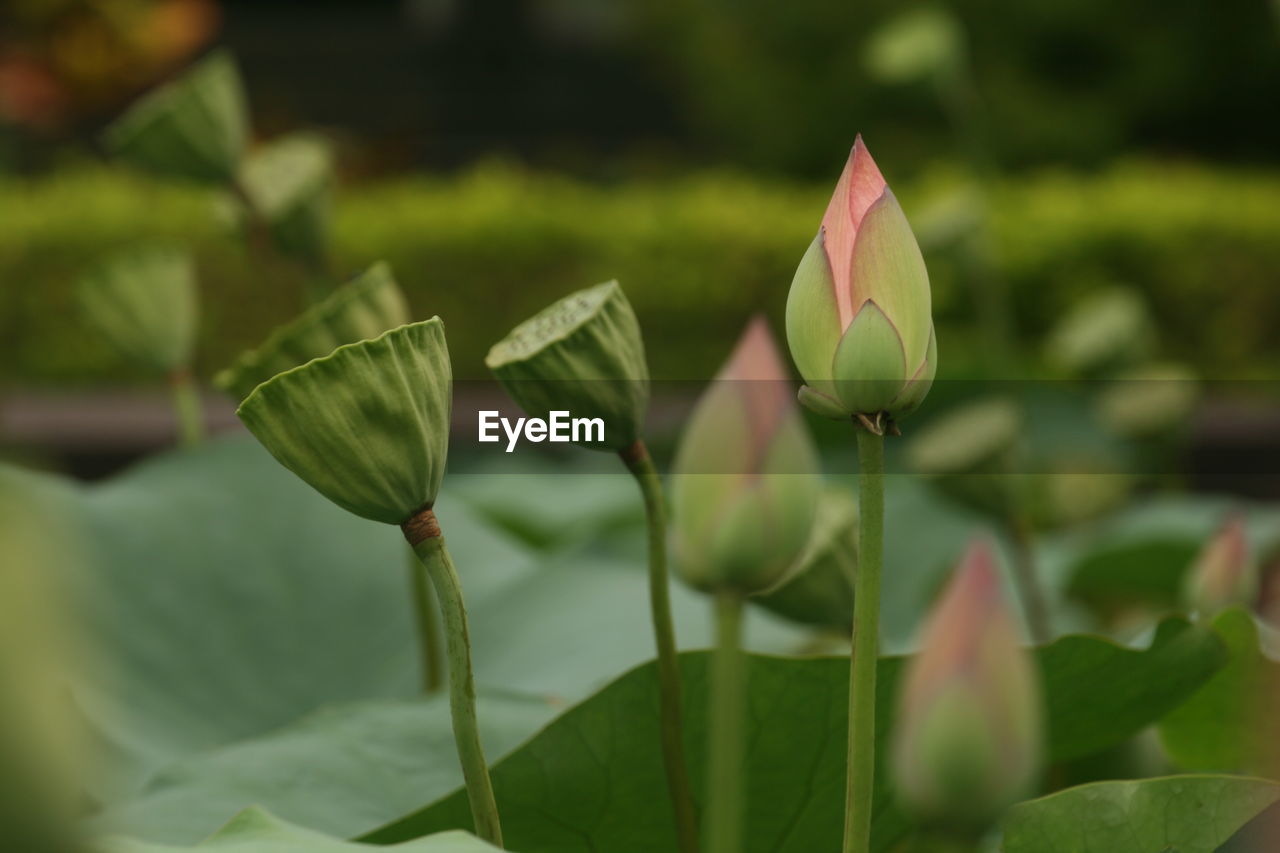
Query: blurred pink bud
(1223, 573)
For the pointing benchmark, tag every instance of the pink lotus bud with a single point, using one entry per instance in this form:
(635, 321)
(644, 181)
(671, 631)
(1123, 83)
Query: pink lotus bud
(967, 739)
(1223, 573)
(746, 476)
(859, 319)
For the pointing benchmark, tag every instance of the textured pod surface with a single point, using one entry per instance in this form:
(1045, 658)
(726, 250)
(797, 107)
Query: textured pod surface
(363, 308)
(583, 354)
(195, 127)
(144, 301)
(290, 182)
(368, 425)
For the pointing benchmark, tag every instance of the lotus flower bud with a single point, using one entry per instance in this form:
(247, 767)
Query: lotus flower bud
(584, 355)
(967, 740)
(366, 426)
(1223, 573)
(818, 588)
(143, 300)
(195, 127)
(746, 475)
(858, 314)
(361, 309)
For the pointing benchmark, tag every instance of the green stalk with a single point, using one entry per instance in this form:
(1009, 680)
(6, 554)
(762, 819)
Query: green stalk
(866, 634)
(641, 467)
(1026, 579)
(724, 791)
(427, 620)
(187, 407)
(462, 687)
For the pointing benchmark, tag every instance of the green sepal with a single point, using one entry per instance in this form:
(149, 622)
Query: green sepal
(583, 354)
(813, 320)
(366, 426)
(195, 127)
(870, 367)
(917, 387)
(363, 308)
(822, 405)
(889, 270)
(144, 301)
(290, 183)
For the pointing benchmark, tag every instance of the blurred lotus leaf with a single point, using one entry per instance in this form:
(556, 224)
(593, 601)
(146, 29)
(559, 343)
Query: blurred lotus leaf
(583, 354)
(289, 182)
(921, 43)
(1149, 400)
(818, 588)
(144, 301)
(363, 308)
(1107, 331)
(194, 127)
(970, 453)
(366, 426)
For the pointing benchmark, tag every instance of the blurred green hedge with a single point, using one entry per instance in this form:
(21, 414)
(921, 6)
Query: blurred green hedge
(697, 255)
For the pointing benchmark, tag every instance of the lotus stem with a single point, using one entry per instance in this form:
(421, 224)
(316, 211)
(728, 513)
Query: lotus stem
(1035, 607)
(427, 620)
(640, 465)
(187, 407)
(866, 638)
(724, 792)
(423, 534)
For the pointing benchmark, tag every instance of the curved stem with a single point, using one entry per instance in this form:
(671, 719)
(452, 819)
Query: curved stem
(641, 467)
(427, 619)
(724, 790)
(866, 633)
(462, 688)
(1035, 606)
(187, 407)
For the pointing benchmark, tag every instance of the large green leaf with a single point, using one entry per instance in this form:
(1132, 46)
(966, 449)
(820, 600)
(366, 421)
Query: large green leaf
(592, 779)
(256, 831)
(1186, 814)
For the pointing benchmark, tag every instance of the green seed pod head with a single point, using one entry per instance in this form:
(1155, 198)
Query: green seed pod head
(746, 476)
(967, 742)
(361, 309)
(290, 182)
(1109, 330)
(859, 319)
(1224, 573)
(818, 588)
(144, 301)
(1150, 400)
(969, 454)
(193, 128)
(584, 355)
(366, 426)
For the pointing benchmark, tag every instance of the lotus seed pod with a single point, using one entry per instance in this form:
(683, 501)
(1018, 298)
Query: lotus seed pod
(361, 309)
(967, 741)
(1224, 573)
(144, 301)
(194, 128)
(969, 454)
(290, 182)
(1149, 400)
(366, 426)
(1108, 331)
(583, 355)
(746, 477)
(818, 588)
(859, 320)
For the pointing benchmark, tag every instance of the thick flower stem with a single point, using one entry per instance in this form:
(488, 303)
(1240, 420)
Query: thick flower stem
(1035, 606)
(866, 634)
(462, 688)
(187, 407)
(641, 467)
(427, 620)
(725, 776)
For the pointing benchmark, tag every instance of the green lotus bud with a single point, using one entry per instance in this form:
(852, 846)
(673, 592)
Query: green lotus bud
(583, 355)
(144, 301)
(194, 127)
(366, 426)
(1224, 573)
(967, 742)
(858, 314)
(361, 309)
(818, 588)
(746, 477)
(289, 183)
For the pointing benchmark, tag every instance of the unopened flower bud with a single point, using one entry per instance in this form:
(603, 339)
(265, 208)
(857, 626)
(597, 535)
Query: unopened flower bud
(859, 321)
(1223, 574)
(967, 739)
(818, 588)
(584, 355)
(746, 476)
